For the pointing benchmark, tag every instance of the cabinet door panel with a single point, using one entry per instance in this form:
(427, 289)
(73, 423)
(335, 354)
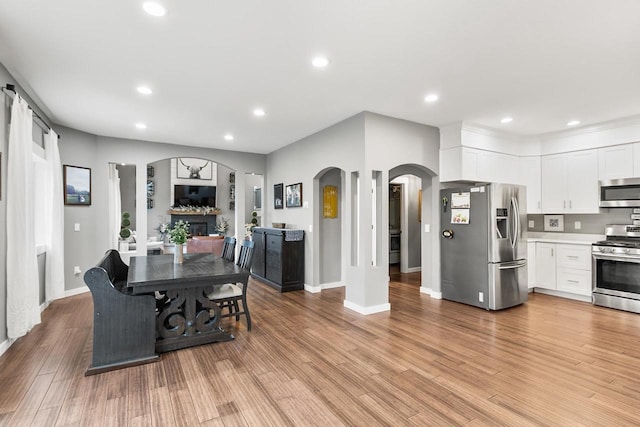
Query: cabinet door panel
(529, 175)
(273, 258)
(615, 162)
(545, 265)
(582, 182)
(552, 183)
(574, 281)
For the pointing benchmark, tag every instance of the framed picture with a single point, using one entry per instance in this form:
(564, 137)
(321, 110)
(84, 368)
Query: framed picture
(278, 200)
(194, 168)
(77, 185)
(554, 223)
(294, 195)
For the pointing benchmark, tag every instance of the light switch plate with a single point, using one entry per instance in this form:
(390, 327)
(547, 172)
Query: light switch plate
(76, 226)
(427, 228)
(532, 223)
(577, 225)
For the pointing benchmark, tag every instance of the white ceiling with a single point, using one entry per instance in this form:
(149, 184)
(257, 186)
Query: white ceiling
(211, 62)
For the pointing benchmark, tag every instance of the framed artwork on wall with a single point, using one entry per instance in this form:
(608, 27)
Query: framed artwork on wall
(554, 223)
(294, 195)
(77, 185)
(194, 168)
(330, 201)
(278, 202)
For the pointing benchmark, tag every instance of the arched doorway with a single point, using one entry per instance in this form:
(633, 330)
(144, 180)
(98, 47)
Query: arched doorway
(328, 265)
(411, 219)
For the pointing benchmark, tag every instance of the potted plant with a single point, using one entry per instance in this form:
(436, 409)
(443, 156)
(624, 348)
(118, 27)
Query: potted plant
(178, 235)
(125, 232)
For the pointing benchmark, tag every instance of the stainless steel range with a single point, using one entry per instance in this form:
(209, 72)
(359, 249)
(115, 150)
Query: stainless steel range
(616, 268)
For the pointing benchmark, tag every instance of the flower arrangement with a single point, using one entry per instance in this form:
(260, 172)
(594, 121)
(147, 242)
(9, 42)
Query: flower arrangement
(222, 226)
(179, 232)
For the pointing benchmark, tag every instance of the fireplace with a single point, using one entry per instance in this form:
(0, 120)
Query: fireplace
(199, 225)
(198, 229)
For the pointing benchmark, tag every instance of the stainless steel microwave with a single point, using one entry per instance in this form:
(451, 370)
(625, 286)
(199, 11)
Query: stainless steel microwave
(619, 193)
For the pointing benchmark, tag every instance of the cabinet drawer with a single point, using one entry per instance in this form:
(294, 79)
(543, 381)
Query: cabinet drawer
(574, 281)
(574, 256)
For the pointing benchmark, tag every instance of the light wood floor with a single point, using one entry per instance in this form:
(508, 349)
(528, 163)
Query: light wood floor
(310, 361)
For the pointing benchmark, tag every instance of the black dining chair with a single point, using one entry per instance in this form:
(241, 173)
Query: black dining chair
(229, 248)
(228, 295)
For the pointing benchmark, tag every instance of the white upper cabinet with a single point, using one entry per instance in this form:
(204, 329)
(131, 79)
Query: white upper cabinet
(528, 174)
(471, 164)
(569, 182)
(552, 183)
(616, 162)
(582, 182)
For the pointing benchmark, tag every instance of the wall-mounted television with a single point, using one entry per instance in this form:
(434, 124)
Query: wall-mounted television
(194, 195)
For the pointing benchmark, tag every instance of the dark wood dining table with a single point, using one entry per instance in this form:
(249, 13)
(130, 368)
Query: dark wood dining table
(185, 316)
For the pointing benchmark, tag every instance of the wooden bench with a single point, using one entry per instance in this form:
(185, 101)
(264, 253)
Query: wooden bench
(124, 326)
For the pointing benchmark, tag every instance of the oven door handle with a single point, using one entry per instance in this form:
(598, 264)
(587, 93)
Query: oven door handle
(616, 257)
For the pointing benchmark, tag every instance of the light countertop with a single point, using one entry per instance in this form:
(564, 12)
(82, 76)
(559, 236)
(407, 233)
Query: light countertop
(565, 238)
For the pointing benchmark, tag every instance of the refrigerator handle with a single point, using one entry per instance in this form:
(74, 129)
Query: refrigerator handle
(513, 266)
(515, 212)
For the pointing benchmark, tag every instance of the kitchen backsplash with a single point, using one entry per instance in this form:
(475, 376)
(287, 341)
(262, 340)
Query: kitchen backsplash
(589, 223)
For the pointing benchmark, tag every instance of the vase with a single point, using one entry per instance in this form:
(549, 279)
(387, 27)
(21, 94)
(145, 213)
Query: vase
(178, 255)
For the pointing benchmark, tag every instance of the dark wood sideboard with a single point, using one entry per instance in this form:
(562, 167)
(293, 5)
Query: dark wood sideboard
(278, 258)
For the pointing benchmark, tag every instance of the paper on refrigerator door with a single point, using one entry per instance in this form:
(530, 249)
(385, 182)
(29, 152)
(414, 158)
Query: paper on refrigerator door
(459, 216)
(460, 200)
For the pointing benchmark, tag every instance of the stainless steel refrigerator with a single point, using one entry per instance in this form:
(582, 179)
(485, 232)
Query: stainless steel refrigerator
(483, 245)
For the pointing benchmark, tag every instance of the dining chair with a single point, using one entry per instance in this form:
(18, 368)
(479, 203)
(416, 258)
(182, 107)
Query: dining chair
(229, 248)
(228, 295)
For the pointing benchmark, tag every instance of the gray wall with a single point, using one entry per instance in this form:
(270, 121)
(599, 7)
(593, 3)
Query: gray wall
(589, 223)
(362, 143)
(85, 248)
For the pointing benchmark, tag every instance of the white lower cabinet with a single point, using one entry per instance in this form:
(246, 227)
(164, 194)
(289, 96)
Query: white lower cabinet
(563, 267)
(546, 265)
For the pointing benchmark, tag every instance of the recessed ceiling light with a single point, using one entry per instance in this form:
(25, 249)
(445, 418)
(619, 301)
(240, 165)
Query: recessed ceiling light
(320, 61)
(145, 90)
(153, 8)
(228, 137)
(431, 98)
(141, 126)
(506, 120)
(259, 112)
(573, 123)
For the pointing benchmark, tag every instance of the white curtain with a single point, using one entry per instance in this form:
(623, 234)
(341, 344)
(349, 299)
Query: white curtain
(114, 206)
(23, 306)
(55, 227)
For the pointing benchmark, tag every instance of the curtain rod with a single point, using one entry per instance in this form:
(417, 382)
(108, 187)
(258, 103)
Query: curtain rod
(36, 117)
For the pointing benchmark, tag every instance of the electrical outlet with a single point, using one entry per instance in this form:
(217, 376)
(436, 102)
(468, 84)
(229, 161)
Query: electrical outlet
(577, 225)
(481, 296)
(532, 223)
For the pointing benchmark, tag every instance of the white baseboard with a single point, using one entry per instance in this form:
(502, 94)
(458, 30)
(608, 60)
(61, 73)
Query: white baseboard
(312, 289)
(76, 291)
(323, 286)
(561, 294)
(4, 346)
(367, 310)
(413, 270)
(430, 292)
(332, 285)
